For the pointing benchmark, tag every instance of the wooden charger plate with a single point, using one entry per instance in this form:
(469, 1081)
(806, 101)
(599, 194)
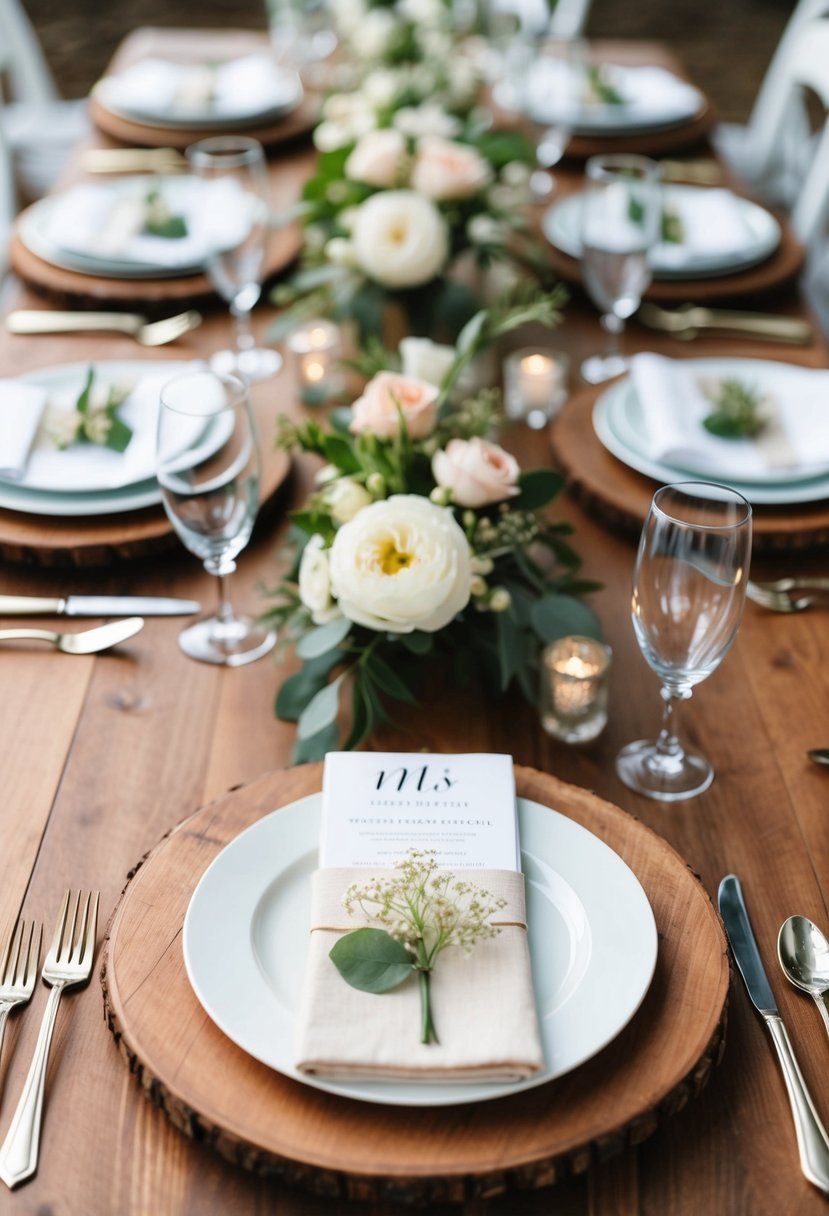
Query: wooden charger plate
(621, 497)
(257, 1118)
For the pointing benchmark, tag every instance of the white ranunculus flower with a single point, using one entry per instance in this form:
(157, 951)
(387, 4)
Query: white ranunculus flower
(400, 238)
(344, 498)
(427, 119)
(425, 359)
(315, 582)
(401, 564)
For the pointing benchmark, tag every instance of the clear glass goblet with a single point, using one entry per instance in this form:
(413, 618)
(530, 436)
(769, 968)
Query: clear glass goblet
(621, 218)
(553, 83)
(689, 589)
(234, 170)
(302, 34)
(208, 468)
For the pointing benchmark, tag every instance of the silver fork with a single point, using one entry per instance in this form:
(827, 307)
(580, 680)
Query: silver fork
(69, 962)
(146, 333)
(776, 595)
(19, 969)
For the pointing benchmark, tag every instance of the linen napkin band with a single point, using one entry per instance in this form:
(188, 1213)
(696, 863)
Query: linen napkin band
(21, 406)
(482, 1002)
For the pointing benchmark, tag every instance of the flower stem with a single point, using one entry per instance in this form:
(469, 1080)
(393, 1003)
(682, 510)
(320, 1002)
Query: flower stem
(428, 1034)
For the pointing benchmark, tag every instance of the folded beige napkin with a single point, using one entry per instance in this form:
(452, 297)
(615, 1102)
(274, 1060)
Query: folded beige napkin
(482, 1002)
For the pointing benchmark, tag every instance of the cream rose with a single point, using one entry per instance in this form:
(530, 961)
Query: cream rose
(401, 564)
(444, 169)
(388, 396)
(476, 472)
(344, 498)
(400, 238)
(377, 158)
(315, 582)
(426, 359)
(427, 119)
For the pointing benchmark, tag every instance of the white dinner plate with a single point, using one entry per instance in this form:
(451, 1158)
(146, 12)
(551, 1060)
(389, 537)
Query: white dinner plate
(654, 100)
(617, 421)
(561, 224)
(591, 931)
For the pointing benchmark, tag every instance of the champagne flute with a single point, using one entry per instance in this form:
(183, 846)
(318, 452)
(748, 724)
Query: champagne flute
(236, 200)
(208, 469)
(621, 218)
(689, 589)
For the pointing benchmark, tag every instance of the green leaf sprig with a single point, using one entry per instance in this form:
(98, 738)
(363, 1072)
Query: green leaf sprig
(159, 219)
(94, 418)
(736, 415)
(422, 911)
(599, 87)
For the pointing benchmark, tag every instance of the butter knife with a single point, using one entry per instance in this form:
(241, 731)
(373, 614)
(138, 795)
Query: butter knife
(96, 605)
(812, 1141)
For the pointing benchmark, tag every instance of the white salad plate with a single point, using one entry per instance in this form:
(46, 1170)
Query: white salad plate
(592, 939)
(760, 237)
(618, 423)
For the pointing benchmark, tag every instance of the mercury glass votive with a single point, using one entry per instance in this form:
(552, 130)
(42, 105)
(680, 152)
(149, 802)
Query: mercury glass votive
(575, 675)
(535, 385)
(315, 349)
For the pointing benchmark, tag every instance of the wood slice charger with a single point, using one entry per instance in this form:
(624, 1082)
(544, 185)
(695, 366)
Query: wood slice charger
(621, 497)
(255, 1117)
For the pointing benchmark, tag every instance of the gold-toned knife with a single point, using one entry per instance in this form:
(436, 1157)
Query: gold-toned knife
(133, 160)
(686, 322)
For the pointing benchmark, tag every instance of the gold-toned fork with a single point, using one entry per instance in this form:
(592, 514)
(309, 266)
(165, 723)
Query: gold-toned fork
(147, 333)
(686, 322)
(68, 963)
(82, 641)
(19, 969)
(777, 597)
(133, 160)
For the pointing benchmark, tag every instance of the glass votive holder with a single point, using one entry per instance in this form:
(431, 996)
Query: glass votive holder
(315, 350)
(575, 674)
(535, 385)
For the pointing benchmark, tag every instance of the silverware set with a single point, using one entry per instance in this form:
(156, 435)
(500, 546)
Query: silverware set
(804, 956)
(783, 594)
(68, 964)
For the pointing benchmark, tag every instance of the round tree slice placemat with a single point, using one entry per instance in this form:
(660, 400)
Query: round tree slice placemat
(621, 497)
(257, 1118)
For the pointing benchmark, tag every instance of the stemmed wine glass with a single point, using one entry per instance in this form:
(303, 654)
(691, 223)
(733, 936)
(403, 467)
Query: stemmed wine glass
(233, 167)
(621, 219)
(208, 469)
(552, 92)
(689, 589)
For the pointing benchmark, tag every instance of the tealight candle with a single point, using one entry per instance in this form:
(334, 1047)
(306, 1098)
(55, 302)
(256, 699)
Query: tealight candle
(315, 349)
(574, 685)
(535, 385)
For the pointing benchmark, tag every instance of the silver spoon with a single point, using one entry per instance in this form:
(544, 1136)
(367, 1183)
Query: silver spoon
(804, 956)
(86, 641)
(820, 755)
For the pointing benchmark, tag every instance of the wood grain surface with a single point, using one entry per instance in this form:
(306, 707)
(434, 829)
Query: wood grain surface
(101, 756)
(270, 1124)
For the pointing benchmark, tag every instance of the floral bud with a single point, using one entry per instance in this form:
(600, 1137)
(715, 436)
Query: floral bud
(441, 496)
(478, 586)
(376, 485)
(500, 600)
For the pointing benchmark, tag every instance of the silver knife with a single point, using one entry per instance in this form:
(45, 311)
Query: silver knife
(812, 1141)
(96, 605)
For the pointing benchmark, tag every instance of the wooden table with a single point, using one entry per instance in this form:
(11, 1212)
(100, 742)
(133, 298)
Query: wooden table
(103, 755)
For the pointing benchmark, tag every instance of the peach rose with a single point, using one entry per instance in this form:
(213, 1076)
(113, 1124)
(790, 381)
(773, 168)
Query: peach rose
(388, 393)
(476, 472)
(444, 169)
(377, 158)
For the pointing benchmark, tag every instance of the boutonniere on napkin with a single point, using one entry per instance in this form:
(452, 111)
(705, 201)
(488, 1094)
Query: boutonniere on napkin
(599, 86)
(423, 910)
(94, 418)
(159, 220)
(737, 412)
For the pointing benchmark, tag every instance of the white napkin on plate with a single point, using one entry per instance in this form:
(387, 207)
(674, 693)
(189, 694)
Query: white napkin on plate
(649, 94)
(102, 221)
(714, 224)
(240, 88)
(482, 1002)
(652, 92)
(21, 406)
(673, 407)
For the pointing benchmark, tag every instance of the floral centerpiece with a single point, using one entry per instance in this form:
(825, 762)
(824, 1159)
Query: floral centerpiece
(424, 538)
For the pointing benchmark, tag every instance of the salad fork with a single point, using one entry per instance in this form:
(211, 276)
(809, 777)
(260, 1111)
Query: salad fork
(19, 969)
(69, 962)
(146, 333)
(776, 597)
(82, 641)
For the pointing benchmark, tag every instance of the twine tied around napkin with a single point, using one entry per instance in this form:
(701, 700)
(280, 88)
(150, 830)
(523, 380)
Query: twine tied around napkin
(483, 1000)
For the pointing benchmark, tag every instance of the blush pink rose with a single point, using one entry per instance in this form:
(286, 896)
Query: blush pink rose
(386, 397)
(444, 169)
(476, 472)
(377, 158)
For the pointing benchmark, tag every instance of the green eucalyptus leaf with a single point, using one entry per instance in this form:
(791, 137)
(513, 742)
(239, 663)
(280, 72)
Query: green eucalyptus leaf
(538, 487)
(512, 648)
(300, 688)
(119, 435)
(559, 616)
(324, 638)
(321, 710)
(362, 721)
(471, 332)
(340, 452)
(306, 751)
(371, 960)
(417, 642)
(387, 679)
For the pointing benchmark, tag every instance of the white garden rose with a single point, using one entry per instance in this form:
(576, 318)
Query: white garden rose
(344, 498)
(401, 564)
(400, 238)
(477, 472)
(444, 169)
(376, 33)
(315, 582)
(428, 119)
(425, 359)
(377, 159)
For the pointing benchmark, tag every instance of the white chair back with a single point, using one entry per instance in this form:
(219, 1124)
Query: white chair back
(809, 63)
(22, 58)
(569, 18)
